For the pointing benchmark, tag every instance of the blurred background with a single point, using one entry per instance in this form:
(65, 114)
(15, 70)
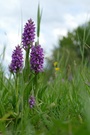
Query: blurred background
(62, 20)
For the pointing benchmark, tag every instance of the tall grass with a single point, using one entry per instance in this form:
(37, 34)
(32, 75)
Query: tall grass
(62, 105)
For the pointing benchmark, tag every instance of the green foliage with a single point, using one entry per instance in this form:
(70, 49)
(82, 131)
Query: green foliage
(75, 46)
(62, 105)
(39, 16)
(72, 50)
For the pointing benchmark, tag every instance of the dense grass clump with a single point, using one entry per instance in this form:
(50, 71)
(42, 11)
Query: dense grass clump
(61, 104)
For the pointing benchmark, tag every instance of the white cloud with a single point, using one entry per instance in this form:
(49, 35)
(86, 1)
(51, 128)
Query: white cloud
(42, 39)
(72, 22)
(59, 32)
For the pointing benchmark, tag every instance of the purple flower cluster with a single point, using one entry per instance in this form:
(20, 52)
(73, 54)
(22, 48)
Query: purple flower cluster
(36, 52)
(17, 60)
(28, 35)
(31, 101)
(37, 58)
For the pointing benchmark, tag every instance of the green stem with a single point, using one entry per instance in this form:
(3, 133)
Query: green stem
(38, 40)
(16, 88)
(27, 59)
(36, 84)
(27, 66)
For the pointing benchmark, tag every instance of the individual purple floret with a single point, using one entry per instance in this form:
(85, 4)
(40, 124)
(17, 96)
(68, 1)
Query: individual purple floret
(31, 101)
(17, 60)
(28, 35)
(37, 58)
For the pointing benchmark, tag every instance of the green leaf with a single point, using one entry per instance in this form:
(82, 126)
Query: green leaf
(39, 16)
(8, 115)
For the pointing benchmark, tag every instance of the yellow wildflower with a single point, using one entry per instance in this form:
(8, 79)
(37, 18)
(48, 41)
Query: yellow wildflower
(55, 64)
(57, 69)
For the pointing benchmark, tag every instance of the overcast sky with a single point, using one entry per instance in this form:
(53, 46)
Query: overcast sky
(58, 17)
